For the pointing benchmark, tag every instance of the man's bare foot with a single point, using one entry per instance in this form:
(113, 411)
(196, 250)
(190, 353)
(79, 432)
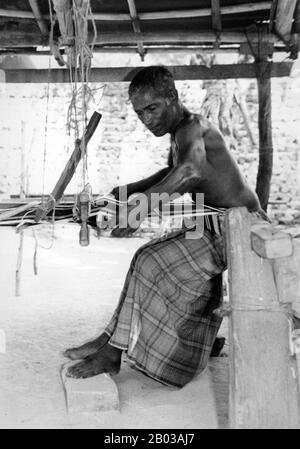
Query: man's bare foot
(106, 360)
(83, 351)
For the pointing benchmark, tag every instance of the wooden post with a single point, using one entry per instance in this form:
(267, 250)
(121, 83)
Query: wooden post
(69, 170)
(216, 16)
(265, 163)
(263, 391)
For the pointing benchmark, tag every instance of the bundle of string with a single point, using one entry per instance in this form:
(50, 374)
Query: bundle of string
(81, 56)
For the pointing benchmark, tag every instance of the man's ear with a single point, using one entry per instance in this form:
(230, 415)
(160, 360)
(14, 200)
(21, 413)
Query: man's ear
(172, 96)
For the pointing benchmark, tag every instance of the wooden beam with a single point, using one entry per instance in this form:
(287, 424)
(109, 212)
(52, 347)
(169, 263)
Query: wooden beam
(136, 26)
(29, 38)
(205, 12)
(216, 16)
(119, 74)
(39, 18)
(175, 49)
(18, 37)
(263, 390)
(178, 37)
(159, 15)
(284, 18)
(16, 14)
(17, 60)
(272, 14)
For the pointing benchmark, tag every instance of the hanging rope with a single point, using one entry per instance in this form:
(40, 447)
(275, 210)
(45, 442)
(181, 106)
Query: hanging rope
(46, 130)
(83, 54)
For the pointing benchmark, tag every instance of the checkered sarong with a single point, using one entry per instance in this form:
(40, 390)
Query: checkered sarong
(164, 320)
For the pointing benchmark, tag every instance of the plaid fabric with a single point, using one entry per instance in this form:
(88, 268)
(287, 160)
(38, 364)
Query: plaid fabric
(164, 319)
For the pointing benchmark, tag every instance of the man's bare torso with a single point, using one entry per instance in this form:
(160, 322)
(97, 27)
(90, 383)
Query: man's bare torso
(221, 181)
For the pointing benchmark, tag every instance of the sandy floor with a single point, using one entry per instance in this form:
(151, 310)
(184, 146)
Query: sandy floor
(68, 302)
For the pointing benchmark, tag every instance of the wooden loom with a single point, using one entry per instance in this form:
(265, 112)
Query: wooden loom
(40, 210)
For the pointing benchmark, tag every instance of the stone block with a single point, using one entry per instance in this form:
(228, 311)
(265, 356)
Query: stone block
(92, 395)
(270, 243)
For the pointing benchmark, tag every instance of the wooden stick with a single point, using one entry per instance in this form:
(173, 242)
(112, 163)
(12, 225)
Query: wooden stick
(263, 386)
(136, 26)
(265, 163)
(22, 37)
(39, 18)
(69, 170)
(119, 74)
(19, 263)
(216, 16)
(18, 210)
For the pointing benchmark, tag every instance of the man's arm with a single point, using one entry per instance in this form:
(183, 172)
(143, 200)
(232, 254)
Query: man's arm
(143, 184)
(140, 186)
(182, 178)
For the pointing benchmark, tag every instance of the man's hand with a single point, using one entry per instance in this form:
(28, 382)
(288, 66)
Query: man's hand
(121, 193)
(122, 232)
(122, 227)
(115, 192)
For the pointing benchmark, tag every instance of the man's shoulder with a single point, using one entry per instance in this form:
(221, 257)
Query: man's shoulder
(194, 121)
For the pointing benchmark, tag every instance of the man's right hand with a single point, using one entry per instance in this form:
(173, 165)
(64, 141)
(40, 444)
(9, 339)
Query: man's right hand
(115, 192)
(121, 193)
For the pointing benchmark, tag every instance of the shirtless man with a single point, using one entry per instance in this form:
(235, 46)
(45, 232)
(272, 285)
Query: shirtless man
(200, 163)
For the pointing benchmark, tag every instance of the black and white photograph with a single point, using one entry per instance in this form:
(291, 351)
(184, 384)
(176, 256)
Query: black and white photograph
(150, 217)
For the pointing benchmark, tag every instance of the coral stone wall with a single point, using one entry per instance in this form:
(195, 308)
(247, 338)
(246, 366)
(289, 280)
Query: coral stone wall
(34, 140)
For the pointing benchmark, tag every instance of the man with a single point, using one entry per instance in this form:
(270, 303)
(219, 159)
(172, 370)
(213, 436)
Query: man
(164, 320)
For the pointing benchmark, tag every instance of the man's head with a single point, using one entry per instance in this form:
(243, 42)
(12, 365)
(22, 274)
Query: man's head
(157, 77)
(155, 99)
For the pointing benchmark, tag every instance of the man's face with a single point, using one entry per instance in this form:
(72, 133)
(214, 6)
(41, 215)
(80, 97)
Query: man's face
(154, 110)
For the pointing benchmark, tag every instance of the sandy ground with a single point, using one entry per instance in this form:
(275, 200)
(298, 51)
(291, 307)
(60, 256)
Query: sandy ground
(68, 302)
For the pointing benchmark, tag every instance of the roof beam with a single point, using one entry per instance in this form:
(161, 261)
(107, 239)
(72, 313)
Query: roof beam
(216, 16)
(205, 12)
(172, 14)
(39, 18)
(15, 37)
(120, 74)
(136, 26)
(173, 37)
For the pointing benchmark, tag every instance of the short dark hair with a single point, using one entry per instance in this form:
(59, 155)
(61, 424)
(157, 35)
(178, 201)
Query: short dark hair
(158, 77)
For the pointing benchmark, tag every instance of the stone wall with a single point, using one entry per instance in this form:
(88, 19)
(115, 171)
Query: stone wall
(33, 119)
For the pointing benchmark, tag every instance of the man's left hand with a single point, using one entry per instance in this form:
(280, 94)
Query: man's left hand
(122, 232)
(122, 228)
